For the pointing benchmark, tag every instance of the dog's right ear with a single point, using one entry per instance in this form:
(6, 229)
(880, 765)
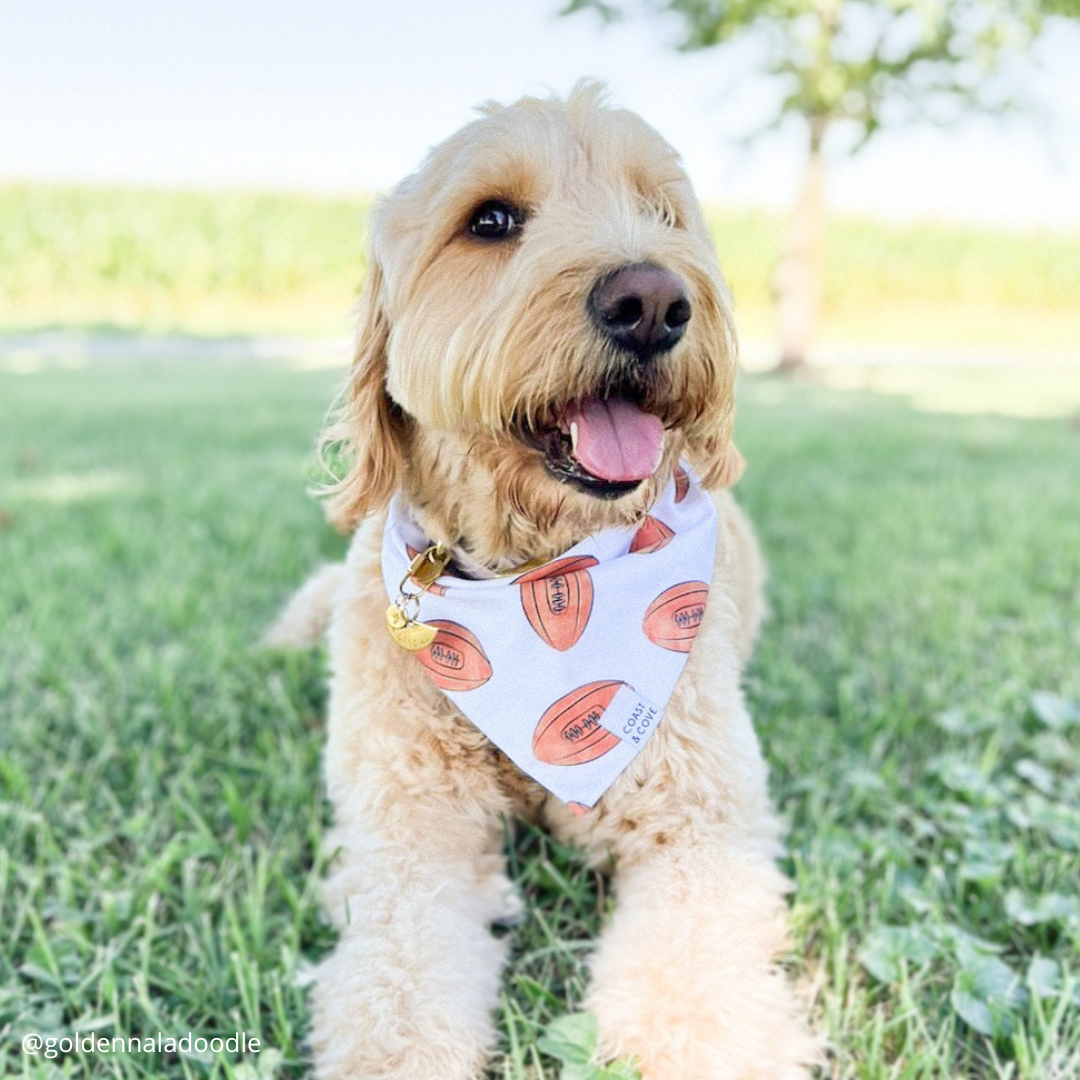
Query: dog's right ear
(366, 430)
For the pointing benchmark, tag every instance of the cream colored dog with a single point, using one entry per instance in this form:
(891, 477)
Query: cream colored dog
(539, 293)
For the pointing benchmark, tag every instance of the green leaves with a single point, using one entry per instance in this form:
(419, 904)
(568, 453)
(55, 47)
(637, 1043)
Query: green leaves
(888, 948)
(607, 12)
(1055, 712)
(865, 62)
(1044, 977)
(986, 993)
(573, 1041)
(996, 818)
(985, 861)
(1047, 908)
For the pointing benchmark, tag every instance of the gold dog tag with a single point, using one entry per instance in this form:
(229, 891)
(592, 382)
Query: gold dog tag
(406, 632)
(425, 569)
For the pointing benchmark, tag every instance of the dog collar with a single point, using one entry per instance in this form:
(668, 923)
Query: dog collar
(567, 667)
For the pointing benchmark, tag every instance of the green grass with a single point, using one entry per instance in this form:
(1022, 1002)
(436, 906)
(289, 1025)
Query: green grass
(235, 262)
(160, 807)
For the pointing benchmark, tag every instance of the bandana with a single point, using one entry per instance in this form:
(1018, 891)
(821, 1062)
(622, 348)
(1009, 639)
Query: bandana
(567, 668)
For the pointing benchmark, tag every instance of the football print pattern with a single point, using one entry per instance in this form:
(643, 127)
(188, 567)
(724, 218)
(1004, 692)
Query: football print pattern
(568, 667)
(557, 600)
(673, 618)
(652, 536)
(682, 484)
(570, 732)
(455, 660)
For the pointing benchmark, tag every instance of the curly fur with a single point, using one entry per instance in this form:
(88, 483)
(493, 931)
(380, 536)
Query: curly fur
(460, 345)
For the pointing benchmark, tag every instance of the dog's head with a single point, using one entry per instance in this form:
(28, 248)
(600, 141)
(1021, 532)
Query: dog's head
(544, 331)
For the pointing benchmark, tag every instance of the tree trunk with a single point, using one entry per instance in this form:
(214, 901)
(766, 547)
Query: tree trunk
(798, 280)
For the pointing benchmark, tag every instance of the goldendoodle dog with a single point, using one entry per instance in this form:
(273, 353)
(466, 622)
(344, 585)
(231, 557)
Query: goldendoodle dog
(537, 427)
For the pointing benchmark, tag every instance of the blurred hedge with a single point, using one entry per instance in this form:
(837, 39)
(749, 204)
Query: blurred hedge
(221, 262)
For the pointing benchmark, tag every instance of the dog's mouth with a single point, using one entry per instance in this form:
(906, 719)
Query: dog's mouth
(604, 446)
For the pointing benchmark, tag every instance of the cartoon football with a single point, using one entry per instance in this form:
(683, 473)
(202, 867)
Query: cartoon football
(673, 618)
(570, 733)
(557, 600)
(652, 536)
(682, 484)
(455, 660)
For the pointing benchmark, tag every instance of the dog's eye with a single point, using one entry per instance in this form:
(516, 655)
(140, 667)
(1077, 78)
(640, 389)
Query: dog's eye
(496, 220)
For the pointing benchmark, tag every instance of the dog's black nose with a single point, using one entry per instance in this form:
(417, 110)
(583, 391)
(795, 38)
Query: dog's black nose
(643, 308)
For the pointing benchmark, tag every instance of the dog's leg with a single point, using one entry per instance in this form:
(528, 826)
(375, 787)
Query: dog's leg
(409, 991)
(304, 619)
(684, 978)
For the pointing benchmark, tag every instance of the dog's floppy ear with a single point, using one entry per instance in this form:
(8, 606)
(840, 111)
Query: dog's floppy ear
(709, 443)
(720, 463)
(366, 429)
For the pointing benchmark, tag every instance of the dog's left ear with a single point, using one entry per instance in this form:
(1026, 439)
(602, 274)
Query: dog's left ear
(720, 464)
(730, 466)
(709, 444)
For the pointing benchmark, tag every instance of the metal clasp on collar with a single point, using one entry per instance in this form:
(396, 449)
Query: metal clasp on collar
(402, 616)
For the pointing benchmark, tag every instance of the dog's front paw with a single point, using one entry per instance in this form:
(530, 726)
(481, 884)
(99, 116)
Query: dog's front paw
(684, 980)
(770, 1043)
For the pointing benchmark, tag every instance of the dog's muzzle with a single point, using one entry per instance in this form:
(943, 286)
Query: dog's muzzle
(607, 443)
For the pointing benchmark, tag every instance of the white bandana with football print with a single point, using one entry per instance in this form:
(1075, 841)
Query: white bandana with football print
(568, 668)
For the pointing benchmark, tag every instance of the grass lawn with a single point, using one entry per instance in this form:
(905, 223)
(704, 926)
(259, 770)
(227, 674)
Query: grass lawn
(160, 807)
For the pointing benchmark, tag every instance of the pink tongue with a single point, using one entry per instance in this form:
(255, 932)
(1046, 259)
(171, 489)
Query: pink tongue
(616, 440)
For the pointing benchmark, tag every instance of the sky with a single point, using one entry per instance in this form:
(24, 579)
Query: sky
(347, 95)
